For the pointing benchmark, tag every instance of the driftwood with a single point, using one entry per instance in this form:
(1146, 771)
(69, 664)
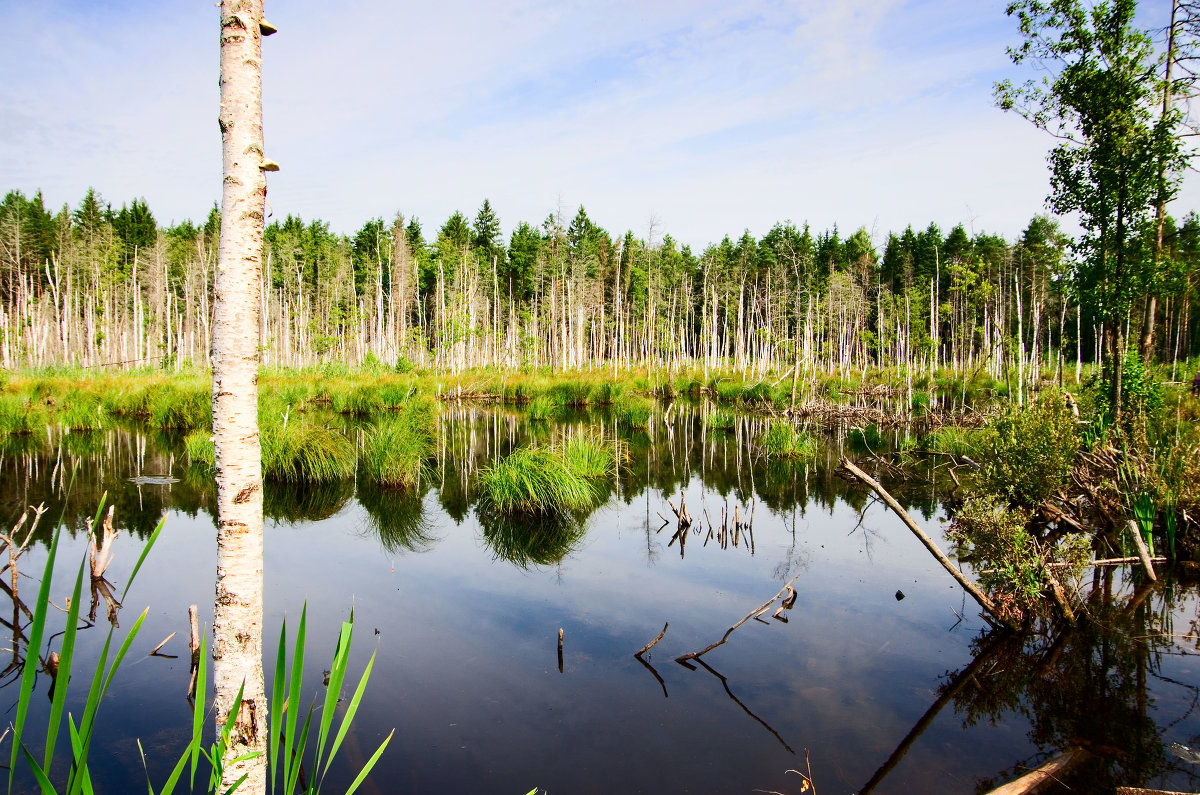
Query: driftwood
(696, 655)
(1143, 552)
(194, 646)
(970, 587)
(650, 645)
(1046, 775)
(100, 557)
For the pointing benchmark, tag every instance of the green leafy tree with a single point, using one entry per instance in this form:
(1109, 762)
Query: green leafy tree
(1116, 155)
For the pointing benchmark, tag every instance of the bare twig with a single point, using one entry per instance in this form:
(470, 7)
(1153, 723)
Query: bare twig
(695, 655)
(650, 645)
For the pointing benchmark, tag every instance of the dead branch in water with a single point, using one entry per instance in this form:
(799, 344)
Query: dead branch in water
(650, 645)
(696, 655)
(970, 587)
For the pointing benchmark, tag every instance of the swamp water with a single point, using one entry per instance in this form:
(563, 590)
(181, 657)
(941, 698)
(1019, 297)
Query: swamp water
(885, 694)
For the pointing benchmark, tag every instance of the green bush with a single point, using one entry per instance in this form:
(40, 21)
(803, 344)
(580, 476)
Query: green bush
(540, 409)
(1027, 452)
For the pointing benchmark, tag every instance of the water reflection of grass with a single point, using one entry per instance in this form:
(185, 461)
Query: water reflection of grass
(305, 503)
(397, 517)
(526, 541)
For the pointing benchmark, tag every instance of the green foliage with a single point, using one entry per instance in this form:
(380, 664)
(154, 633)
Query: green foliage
(868, 438)
(572, 394)
(783, 440)
(951, 440)
(181, 407)
(301, 451)
(1013, 566)
(606, 393)
(633, 411)
(81, 412)
(287, 748)
(1140, 392)
(591, 458)
(1027, 453)
(200, 452)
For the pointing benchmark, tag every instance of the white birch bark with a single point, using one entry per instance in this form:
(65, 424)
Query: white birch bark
(238, 614)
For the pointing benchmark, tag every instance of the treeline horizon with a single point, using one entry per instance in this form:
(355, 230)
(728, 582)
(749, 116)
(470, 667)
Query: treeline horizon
(95, 286)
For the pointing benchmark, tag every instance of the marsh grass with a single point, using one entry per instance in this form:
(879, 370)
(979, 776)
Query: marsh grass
(181, 408)
(302, 451)
(721, 420)
(535, 481)
(81, 412)
(783, 441)
(20, 415)
(200, 452)
(951, 440)
(571, 394)
(606, 393)
(541, 409)
(633, 411)
(592, 458)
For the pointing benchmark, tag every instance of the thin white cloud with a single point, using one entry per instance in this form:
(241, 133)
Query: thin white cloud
(714, 116)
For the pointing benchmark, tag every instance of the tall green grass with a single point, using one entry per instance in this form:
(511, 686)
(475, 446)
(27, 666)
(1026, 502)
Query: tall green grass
(394, 451)
(81, 411)
(633, 411)
(20, 415)
(541, 409)
(783, 440)
(301, 451)
(535, 482)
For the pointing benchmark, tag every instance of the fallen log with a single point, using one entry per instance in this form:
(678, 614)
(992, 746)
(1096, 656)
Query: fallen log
(970, 587)
(1045, 775)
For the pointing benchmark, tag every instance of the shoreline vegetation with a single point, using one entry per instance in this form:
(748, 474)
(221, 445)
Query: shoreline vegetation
(1043, 485)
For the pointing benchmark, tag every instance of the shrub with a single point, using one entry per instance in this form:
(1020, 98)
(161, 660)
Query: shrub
(1027, 452)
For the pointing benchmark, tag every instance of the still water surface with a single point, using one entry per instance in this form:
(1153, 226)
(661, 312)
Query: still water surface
(464, 619)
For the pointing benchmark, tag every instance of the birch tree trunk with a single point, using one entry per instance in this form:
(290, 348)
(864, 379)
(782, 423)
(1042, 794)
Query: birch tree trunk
(238, 613)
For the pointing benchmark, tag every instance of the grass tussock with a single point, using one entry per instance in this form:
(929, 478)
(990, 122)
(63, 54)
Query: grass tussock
(782, 440)
(81, 412)
(541, 409)
(633, 411)
(21, 416)
(395, 450)
(301, 451)
(535, 481)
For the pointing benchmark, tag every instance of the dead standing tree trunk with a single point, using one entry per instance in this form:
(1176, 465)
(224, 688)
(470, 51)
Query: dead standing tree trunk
(238, 613)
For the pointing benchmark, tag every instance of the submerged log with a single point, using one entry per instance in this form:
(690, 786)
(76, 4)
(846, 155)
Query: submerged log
(1046, 775)
(970, 587)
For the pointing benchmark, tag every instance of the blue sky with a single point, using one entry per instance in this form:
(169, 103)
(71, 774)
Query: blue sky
(696, 118)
